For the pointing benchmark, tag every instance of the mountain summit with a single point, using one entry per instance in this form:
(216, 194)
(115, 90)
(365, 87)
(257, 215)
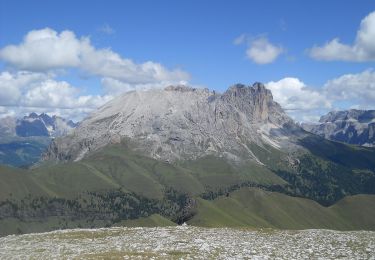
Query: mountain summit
(180, 122)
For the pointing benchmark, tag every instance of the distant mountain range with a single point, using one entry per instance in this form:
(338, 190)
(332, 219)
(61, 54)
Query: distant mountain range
(351, 126)
(23, 140)
(36, 125)
(190, 155)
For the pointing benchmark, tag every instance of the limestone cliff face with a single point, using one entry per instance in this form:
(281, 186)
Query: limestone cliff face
(349, 126)
(180, 122)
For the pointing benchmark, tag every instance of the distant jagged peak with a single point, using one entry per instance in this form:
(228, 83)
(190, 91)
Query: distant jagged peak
(43, 125)
(352, 126)
(32, 115)
(357, 114)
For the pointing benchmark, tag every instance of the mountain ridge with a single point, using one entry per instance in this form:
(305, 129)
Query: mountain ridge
(181, 122)
(349, 126)
(36, 125)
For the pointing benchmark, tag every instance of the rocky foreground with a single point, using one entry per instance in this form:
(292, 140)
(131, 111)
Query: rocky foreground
(189, 243)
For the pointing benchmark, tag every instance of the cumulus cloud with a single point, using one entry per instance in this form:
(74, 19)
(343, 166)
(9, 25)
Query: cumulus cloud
(358, 88)
(12, 85)
(47, 49)
(293, 94)
(32, 92)
(261, 51)
(363, 48)
(45, 53)
(304, 103)
(301, 102)
(59, 94)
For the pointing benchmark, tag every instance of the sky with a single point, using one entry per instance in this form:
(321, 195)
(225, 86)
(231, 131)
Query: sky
(70, 57)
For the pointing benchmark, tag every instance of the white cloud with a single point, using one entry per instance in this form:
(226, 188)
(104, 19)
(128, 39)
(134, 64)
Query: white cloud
(46, 49)
(261, 51)
(293, 94)
(24, 92)
(59, 94)
(45, 52)
(106, 29)
(363, 48)
(6, 112)
(116, 87)
(358, 88)
(300, 102)
(240, 39)
(304, 103)
(12, 85)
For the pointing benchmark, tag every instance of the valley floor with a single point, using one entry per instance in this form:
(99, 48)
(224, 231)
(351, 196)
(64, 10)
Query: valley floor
(189, 243)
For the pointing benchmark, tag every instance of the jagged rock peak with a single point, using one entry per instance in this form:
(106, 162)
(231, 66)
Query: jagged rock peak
(260, 87)
(256, 89)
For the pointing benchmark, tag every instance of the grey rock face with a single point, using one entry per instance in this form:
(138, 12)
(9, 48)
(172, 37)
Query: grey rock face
(351, 126)
(180, 122)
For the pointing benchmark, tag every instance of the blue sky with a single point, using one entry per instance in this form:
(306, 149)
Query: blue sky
(197, 38)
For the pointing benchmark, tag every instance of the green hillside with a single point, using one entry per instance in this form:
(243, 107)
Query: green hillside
(252, 207)
(119, 186)
(118, 166)
(247, 208)
(326, 171)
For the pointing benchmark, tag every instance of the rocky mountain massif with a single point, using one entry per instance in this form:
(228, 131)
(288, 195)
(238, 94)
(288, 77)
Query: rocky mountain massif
(23, 140)
(179, 123)
(181, 154)
(352, 127)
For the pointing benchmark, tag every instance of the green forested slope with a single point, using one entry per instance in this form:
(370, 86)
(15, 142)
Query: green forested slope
(118, 186)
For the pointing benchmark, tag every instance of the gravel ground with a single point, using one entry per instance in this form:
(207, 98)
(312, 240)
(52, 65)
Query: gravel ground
(189, 243)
